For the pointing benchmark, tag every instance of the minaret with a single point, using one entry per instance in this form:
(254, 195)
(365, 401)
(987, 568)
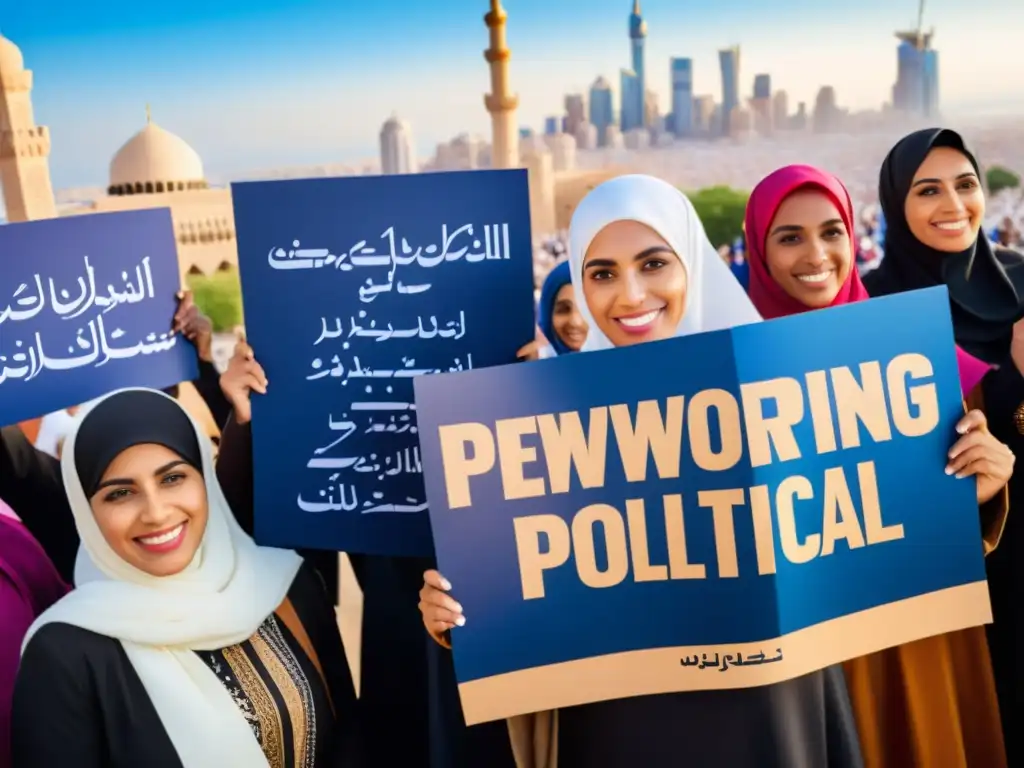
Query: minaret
(24, 146)
(500, 102)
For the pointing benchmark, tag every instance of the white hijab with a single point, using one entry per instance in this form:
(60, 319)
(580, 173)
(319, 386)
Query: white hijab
(715, 299)
(229, 589)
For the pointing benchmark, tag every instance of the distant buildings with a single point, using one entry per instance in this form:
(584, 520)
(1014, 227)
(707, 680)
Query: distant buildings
(762, 86)
(602, 112)
(575, 112)
(397, 150)
(632, 113)
(729, 62)
(681, 73)
(916, 90)
(637, 38)
(827, 115)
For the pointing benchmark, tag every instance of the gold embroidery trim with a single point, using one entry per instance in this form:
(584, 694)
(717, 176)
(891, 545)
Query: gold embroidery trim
(1018, 418)
(262, 702)
(288, 677)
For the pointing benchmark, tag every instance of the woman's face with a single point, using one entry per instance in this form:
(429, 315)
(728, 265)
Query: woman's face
(945, 206)
(634, 284)
(566, 319)
(152, 510)
(808, 251)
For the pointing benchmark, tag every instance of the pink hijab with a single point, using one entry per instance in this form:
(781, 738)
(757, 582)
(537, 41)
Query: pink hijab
(769, 298)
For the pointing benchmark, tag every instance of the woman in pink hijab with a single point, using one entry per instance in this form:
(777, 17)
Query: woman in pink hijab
(29, 584)
(926, 703)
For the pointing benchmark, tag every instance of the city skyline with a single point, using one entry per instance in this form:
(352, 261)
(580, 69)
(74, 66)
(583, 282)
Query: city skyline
(93, 75)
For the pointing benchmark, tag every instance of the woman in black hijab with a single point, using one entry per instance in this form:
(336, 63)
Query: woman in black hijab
(931, 194)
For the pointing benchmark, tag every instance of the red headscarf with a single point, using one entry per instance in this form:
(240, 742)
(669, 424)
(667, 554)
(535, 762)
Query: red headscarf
(767, 296)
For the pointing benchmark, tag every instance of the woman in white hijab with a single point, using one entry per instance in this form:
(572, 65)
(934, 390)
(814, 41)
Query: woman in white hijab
(184, 644)
(644, 270)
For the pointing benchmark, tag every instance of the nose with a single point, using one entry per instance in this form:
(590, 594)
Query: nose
(951, 203)
(154, 512)
(818, 254)
(634, 291)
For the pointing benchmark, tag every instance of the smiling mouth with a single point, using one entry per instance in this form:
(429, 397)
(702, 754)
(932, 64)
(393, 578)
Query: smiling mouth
(639, 323)
(951, 226)
(816, 278)
(163, 541)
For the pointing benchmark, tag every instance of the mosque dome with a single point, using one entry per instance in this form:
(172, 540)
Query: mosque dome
(11, 59)
(155, 160)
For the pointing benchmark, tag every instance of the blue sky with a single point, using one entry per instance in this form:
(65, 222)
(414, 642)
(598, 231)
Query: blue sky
(256, 85)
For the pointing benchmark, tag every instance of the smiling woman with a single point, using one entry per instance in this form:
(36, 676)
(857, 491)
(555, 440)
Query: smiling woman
(149, 498)
(223, 652)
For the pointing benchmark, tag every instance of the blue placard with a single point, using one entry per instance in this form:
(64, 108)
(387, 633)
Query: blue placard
(645, 519)
(86, 307)
(352, 286)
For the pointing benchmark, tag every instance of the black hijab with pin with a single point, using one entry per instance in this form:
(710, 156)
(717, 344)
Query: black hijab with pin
(985, 282)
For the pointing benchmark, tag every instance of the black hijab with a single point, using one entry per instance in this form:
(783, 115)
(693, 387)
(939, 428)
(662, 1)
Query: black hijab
(986, 283)
(129, 418)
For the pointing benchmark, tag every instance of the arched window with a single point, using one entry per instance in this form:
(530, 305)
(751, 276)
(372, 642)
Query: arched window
(149, 187)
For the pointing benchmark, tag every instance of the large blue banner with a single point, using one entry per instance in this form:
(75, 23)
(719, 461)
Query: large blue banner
(352, 287)
(725, 510)
(86, 307)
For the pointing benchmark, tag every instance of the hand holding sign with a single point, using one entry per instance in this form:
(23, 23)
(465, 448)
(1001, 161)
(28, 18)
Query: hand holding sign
(243, 376)
(194, 325)
(979, 453)
(440, 612)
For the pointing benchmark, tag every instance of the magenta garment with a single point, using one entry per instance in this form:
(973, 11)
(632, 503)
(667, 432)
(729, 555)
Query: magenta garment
(29, 584)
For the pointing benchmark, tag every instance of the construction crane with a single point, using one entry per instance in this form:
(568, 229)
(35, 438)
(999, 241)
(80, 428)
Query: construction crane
(920, 39)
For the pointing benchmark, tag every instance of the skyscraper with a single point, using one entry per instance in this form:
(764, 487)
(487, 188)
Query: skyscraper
(637, 36)
(916, 90)
(397, 151)
(826, 111)
(681, 73)
(729, 61)
(602, 111)
(632, 115)
(931, 82)
(780, 110)
(575, 112)
(762, 86)
(552, 125)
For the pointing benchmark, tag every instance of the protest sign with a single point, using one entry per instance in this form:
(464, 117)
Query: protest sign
(726, 510)
(86, 307)
(351, 287)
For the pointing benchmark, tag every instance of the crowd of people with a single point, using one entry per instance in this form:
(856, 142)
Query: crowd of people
(143, 626)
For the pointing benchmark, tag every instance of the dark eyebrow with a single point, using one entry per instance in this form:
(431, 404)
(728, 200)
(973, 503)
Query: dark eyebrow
(128, 481)
(786, 228)
(795, 228)
(642, 255)
(966, 175)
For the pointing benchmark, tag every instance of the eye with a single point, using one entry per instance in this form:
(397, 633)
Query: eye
(928, 191)
(653, 264)
(601, 274)
(117, 495)
(967, 184)
(789, 239)
(833, 232)
(173, 478)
